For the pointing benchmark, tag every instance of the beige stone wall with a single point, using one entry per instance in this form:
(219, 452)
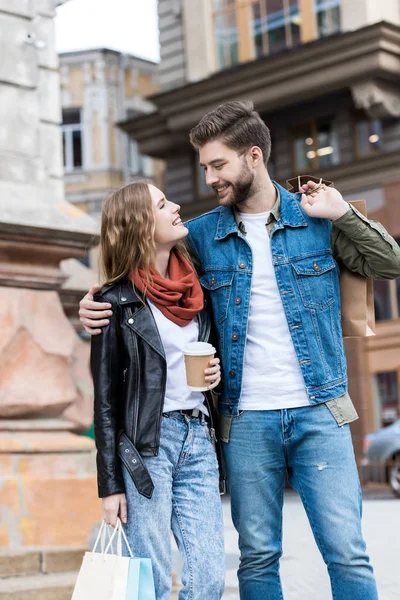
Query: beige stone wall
(359, 13)
(199, 39)
(31, 171)
(146, 84)
(76, 77)
(106, 180)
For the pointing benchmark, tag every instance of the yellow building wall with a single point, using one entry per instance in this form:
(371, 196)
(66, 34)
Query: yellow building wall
(76, 84)
(96, 181)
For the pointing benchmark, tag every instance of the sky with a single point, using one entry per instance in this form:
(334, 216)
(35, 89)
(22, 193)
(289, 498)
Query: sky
(126, 25)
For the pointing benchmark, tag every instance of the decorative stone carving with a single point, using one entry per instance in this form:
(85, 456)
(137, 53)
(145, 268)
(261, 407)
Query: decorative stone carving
(37, 348)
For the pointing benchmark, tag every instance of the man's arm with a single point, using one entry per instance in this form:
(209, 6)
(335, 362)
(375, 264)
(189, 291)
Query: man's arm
(365, 246)
(361, 245)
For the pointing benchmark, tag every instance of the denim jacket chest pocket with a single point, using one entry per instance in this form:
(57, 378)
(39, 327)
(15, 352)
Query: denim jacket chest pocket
(219, 287)
(314, 276)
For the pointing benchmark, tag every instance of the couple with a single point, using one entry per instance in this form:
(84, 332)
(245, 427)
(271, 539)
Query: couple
(269, 271)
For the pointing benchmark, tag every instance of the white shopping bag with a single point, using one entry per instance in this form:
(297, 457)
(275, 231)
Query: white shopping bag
(104, 576)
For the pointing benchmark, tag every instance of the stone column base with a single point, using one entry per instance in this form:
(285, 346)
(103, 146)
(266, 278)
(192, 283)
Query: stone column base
(48, 489)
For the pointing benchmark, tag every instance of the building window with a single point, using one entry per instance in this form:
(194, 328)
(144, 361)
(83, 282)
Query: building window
(226, 33)
(140, 165)
(72, 139)
(386, 392)
(275, 25)
(200, 177)
(387, 299)
(382, 300)
(328, 17)
(247, 29)
(316, 145)
(368, 136)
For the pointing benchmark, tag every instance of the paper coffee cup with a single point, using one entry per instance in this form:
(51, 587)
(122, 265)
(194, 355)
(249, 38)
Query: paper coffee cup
(197, 357)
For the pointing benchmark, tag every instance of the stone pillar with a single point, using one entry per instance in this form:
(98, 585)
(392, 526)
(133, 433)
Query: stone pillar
(199, 46)
(360, 13)
(47, 474)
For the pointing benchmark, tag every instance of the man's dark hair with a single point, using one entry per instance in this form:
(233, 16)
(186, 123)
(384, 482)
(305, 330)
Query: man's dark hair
(237, 125)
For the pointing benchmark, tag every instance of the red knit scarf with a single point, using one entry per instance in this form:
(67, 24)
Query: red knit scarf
(179, 298)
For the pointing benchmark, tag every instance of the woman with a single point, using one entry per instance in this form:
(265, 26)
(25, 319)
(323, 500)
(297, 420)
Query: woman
(157, 467)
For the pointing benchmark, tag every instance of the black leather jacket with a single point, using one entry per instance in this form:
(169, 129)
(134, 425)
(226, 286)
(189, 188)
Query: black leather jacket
(129, 373)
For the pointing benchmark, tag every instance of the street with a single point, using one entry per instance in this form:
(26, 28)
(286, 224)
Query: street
(303, 572)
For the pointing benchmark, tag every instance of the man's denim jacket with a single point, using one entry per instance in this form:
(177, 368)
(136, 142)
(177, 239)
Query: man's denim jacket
(303, 254)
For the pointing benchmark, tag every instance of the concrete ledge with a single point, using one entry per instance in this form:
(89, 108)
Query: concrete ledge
(61, 560)
(19, 563)
(39, 587)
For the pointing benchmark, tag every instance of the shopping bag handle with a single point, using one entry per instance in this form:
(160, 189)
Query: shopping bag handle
(100, 537)
(119, 531)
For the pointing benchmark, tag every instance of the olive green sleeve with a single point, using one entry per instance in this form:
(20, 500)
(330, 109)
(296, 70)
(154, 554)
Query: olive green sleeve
(365, 246)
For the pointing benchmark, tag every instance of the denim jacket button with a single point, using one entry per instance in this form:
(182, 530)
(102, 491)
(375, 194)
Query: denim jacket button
(238, 300)
(316, 266)
(242, 265)
(235, 337)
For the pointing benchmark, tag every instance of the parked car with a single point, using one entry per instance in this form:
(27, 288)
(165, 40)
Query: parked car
(381, 460)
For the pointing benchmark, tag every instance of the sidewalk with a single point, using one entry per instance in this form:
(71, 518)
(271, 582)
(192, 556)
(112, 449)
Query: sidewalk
(303, 572)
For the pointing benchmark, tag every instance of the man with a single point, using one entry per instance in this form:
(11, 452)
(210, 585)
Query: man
(269, 262)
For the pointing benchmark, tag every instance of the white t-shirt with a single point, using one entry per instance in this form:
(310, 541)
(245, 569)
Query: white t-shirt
(178, 396)
(272, 378)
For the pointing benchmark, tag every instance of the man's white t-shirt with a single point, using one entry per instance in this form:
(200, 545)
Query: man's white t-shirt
(272, 378)
(178, 396)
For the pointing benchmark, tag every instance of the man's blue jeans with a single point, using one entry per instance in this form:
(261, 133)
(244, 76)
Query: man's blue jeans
(186, 500)
(319, 458)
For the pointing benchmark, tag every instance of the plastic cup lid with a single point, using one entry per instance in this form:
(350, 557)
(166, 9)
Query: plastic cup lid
(199, 349)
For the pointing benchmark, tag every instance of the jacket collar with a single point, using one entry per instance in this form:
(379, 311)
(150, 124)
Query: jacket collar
(291, 214)
(285, 211)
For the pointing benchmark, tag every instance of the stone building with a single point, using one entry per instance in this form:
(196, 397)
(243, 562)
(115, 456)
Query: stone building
(100, 87)
(47, 473)
(325, 77)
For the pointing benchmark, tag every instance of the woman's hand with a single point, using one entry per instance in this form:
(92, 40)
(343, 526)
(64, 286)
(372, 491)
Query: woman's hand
(114, 506)
(213, 373)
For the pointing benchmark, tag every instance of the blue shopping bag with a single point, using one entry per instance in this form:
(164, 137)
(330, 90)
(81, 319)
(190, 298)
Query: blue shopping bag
(140, 580)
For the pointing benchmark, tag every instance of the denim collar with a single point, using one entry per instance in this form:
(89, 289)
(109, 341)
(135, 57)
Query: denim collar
(286, 211)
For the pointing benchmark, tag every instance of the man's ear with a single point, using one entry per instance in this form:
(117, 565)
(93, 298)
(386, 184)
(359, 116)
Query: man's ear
(256, 155)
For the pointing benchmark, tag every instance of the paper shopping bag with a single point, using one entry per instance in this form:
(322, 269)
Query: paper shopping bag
(102, 577)
(140, 581)
(357, 297)
(105, 576)
(356, 292)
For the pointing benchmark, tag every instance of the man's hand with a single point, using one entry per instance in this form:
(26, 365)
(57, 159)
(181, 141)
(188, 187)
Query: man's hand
(327, 203)
(93, 314)
(114, 506)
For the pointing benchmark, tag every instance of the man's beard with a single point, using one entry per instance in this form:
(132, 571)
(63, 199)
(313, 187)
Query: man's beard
(242, 188)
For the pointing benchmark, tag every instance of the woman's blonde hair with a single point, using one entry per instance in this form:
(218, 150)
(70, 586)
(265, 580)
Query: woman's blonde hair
(127, 233)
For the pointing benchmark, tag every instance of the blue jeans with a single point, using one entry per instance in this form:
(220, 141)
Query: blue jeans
(319, 458)
(186, 500)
